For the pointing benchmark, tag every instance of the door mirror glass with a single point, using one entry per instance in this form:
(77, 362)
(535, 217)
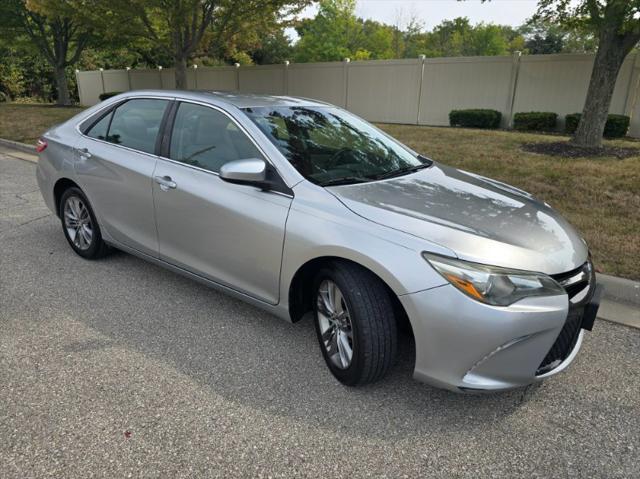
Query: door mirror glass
(251, 171)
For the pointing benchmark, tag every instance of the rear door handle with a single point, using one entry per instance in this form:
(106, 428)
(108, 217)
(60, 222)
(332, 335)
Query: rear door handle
(165, 182)
(84, 153)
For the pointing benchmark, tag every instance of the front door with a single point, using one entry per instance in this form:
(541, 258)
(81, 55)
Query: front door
(232, 234)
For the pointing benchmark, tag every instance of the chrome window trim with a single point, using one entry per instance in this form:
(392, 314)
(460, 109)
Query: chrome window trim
(116, 105)
(265, 157)
(159, 157)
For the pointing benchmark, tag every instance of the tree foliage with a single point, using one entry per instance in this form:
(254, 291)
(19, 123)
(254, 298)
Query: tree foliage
(43, 41)
(544, 37)
(58, 30)
(182, 28)
(336, 32)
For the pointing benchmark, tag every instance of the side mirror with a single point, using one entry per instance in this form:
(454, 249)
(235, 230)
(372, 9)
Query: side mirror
(251, 171)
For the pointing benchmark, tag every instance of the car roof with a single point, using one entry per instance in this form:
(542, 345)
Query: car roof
(239, 100)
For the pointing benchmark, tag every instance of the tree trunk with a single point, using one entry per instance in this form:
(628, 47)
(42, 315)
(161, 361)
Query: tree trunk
(181, 73)
(611, 53)
(62, 86)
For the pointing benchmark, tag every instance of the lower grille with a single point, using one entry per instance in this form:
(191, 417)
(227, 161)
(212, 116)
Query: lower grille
(565, 343)
(573, 282)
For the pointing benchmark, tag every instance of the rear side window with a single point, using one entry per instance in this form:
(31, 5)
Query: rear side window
(99, 130)
(134, 124)
(207, 138)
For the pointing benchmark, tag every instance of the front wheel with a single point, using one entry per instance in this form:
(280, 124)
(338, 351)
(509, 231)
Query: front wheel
(355, 323)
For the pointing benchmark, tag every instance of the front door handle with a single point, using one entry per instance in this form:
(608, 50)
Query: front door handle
(165, 182)
(84, 153)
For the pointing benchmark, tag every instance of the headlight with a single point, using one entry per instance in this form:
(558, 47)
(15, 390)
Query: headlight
(491, 284)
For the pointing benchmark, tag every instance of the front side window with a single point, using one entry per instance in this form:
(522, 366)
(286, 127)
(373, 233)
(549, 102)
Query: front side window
(135, 124)
(206, 138)
(328, 145)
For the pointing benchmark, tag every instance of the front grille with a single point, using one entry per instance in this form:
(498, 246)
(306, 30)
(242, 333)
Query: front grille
(573, 282)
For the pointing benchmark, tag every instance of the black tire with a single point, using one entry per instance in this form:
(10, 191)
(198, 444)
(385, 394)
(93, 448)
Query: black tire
(373, 324)
(97, 248)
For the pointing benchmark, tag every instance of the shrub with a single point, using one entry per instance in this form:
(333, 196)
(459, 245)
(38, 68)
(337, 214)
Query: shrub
(571, 123)
(475, 118)
(109, 94)
(615, 127)
(535, 121)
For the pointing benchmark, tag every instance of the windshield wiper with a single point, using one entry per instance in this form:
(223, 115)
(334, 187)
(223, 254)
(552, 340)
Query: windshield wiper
(345, 180)
(406, 170)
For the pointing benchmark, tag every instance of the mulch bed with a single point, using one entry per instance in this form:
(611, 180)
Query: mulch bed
(567, 150)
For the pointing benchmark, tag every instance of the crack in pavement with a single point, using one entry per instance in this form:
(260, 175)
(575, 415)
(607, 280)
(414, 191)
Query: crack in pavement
(14, 227)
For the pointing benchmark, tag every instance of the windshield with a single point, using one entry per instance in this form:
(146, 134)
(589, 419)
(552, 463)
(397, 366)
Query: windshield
(329, 146)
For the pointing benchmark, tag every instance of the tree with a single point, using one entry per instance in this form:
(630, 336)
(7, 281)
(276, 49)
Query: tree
(273, 48)
(414, 38)
(331, 35)
(59, 30)
(457, 37)
(336, 33)
(617, 26)
(542, 37)
(180, 27)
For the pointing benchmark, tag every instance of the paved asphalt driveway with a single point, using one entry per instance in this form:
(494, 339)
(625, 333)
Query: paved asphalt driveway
(118, 368)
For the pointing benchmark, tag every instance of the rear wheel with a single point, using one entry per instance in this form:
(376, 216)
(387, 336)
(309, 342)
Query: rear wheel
(355, 323)
(80, 226)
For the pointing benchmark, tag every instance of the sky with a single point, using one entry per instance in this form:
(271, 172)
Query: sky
(432, 12)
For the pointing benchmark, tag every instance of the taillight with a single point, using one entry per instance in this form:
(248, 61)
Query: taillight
(41, 145)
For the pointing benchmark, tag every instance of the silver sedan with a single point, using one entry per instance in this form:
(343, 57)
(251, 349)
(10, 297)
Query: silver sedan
(302, 208)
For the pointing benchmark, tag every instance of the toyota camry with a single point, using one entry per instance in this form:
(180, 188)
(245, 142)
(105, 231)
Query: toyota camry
(303, 209)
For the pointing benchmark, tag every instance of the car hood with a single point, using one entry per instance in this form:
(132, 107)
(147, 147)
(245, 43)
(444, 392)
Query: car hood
(480, 219)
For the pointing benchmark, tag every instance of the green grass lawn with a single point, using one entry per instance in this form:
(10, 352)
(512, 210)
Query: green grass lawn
(600, 196)
(26, 122)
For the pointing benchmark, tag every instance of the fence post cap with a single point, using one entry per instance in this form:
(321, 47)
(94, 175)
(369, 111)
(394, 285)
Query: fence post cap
(159, 67)
(195, 66)
(237, 65)
(422, 57)
(101, 69)
(287, 62)
(128, 68)
(347, 60)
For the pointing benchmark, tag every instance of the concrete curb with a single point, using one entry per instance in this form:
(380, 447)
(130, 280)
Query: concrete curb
(620, 289)
(16, 145)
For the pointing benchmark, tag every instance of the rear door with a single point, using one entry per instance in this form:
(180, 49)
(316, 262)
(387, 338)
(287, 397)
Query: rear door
(232, 234)
(115, 164)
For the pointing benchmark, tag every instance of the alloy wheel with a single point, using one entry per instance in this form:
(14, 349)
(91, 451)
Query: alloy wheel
(335, 324)
(77, 222)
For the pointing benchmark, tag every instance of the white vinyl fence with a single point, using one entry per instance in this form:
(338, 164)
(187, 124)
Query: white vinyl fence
(421, 91)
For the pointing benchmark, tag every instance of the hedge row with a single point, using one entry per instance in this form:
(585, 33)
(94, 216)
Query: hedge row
(616, 126)
(535, 121)
(476, 118)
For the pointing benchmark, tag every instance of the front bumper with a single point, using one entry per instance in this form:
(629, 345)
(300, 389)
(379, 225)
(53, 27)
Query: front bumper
(465, 345)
